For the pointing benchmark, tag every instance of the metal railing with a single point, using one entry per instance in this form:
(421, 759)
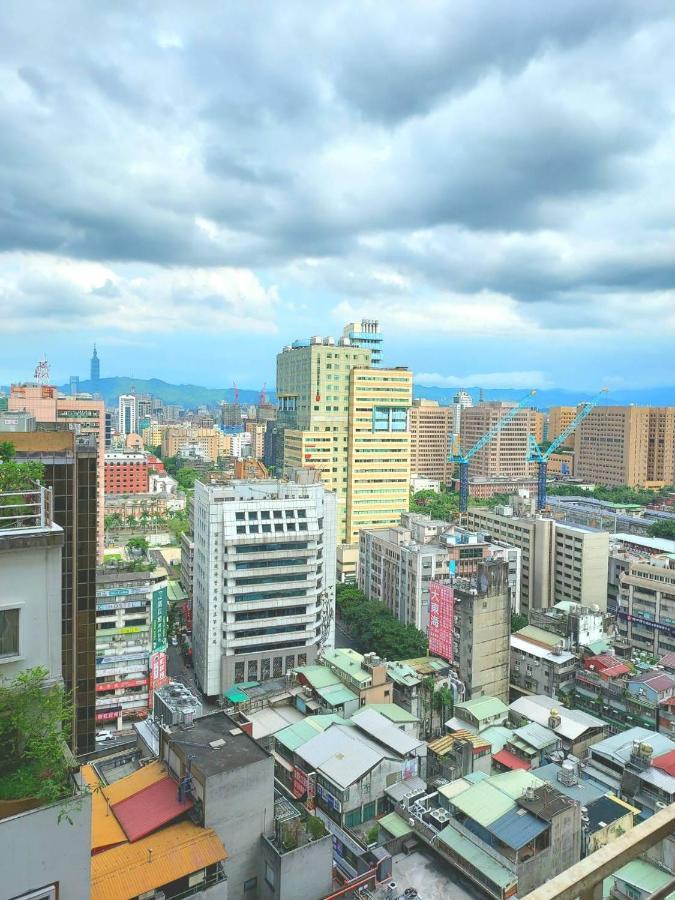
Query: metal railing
(27, 509)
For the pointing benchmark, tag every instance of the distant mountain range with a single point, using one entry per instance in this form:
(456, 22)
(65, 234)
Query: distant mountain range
(192, 395)
(556, 397)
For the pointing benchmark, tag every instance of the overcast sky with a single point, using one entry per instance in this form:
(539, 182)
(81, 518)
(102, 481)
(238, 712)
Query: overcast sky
(192, 186)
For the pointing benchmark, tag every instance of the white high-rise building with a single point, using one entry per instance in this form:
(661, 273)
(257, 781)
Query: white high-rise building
(127, 414)
(461, 400)
(263, 580)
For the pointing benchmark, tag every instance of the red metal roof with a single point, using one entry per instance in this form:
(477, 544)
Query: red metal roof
(149, 809)
(666, 762)
(510, 760)
(658, 681)
(615, 671)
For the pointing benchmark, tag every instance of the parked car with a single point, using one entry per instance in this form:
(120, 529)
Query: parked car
(104, 735)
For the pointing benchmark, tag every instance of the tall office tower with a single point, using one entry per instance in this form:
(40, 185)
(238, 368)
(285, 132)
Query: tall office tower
(82, 414)
(559, 417)
(230, 415)
(70, 471)
(74, 384)
(127, 414)
(661, 446)
(94, 367)
(378, 449)
(144, 407)
(313, 394)
(431, 429)
(482, 622)
(366, 335)
(461, 400)
(506, 453)
(263, 580)
(611, 446)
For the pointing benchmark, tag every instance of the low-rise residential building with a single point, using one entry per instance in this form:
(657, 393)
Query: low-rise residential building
(539, 665)
(639, 764)
(646, 606)
(458, 754)
(528, 747)
(577, 730)
(484, 488)
(131, 641)
(365, 675)
(478, 714)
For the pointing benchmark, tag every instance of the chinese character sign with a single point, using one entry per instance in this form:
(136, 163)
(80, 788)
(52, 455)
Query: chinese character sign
(157, 674)
(441, 615)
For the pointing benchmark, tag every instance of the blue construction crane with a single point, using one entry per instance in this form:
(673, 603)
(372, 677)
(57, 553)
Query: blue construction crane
(462, 459)
(537, 455)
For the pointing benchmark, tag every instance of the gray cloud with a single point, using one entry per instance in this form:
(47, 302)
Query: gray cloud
(519, 149)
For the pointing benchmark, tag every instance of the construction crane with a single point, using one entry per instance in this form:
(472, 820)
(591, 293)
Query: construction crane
(537, 455)
(462, 459)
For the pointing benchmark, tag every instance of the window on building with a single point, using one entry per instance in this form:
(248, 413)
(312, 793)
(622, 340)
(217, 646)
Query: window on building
(251, 885)
(269, 875)
(9, 632)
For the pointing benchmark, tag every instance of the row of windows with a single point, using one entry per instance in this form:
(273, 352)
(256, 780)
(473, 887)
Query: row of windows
(254, 614)
(273, 563)
(267, 528)
(271, 547)
(271, 595)
(271, 579)
(268, 629)
(277, 514)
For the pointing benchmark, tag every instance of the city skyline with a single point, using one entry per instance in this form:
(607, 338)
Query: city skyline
(191, 199)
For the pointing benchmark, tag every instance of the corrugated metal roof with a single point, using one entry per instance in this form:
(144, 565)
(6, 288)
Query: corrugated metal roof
(340, 757)
(510, 760)
(658, 681)
(150, 808)
(336, 694)
(137, 781)
(659, 779)
(546, 653)
(584, 792)
(619, 746)
(513, 784)
(106, 831)
(443, 745)
(483, 802)
(643, 875)
(538, 636)
(574, 722)
(496, 736)
(476, 856)
(482, 707)
(517, 828)
(395, 825)
(392, 711)
(177, 851)
(666, 762)
(536, 736)
(385, 733)
(318, 676)
(300, 732)
(454, 788)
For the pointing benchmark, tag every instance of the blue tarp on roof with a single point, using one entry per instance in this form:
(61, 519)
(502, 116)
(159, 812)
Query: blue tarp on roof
(517, 828)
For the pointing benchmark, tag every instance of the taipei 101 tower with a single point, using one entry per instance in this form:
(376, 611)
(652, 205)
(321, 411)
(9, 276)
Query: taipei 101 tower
(94, 367)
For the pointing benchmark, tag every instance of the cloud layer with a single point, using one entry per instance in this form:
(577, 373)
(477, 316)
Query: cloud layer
(459, 169)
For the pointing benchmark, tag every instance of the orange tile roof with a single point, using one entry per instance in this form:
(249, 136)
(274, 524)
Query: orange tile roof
(177, 851)
(106, 831)
(137, 781)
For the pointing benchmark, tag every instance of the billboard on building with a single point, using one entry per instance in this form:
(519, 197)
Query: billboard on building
(159, 618)
(157, 676)
(441, 617)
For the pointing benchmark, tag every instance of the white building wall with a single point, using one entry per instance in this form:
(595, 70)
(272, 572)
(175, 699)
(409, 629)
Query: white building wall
(30, 582)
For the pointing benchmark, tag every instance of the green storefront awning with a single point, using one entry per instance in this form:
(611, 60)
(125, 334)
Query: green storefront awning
(234, 695)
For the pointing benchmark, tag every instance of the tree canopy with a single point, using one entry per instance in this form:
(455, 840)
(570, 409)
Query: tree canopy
(374, 628)
(663, 529)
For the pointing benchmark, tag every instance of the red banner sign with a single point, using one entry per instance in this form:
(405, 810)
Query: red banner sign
(157, 673)
(104, 716)
(441, 618)
(300, 782)
(114, 685)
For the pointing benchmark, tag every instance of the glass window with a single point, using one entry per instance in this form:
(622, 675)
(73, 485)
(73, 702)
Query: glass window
(9, 632)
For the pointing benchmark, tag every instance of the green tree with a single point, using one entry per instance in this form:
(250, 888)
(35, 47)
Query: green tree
(518, 621)
(34, 724)
(135, 544)
(374, 628)
(16, 477)
(663, 529)
(186, 478)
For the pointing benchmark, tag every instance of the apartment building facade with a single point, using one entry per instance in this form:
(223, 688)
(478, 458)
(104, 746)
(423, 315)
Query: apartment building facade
(212, 441)
(506, 453)
(611, 446)
(431, 430)
(481, 630)
(263, 579)
(131, 643)
(126, 473)
(82, 413)
(70, 472)
(661, 444)
(646, 606)
(559, 562)
(559, 418)
(127, 414)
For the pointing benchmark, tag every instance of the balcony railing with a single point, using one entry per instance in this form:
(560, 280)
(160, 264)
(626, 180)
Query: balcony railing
(27, 509)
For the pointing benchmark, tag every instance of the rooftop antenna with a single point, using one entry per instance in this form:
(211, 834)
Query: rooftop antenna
(41, 373)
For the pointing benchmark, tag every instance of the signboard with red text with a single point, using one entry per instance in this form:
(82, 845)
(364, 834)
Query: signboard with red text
(441, 618)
